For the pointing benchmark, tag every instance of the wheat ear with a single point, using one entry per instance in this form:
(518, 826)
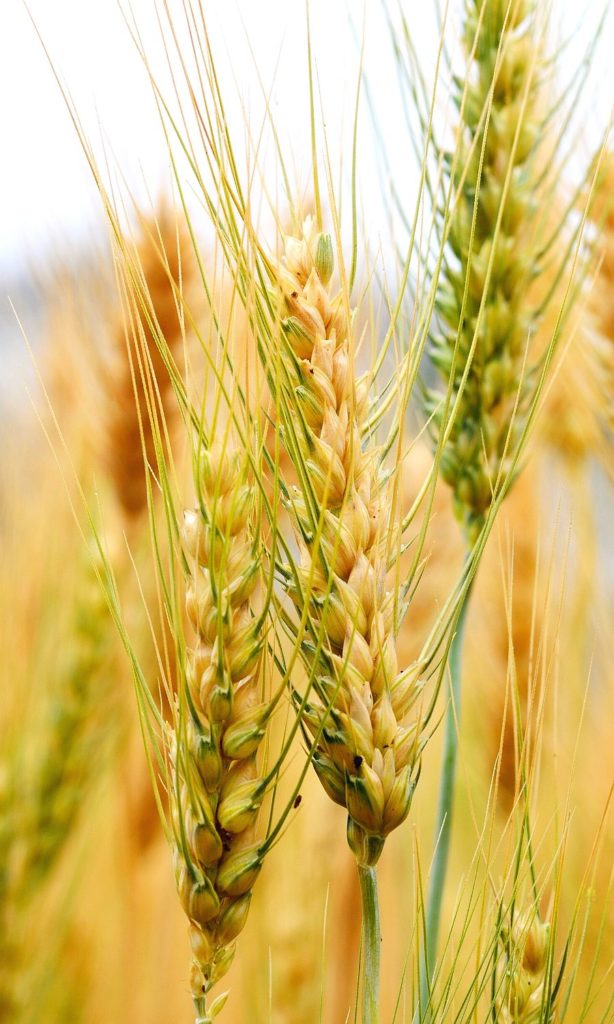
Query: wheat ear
(600, 321)
(354, 712)
(364, 756)
(493, 247)
(38, 813)
(485, 315)
(218, 784)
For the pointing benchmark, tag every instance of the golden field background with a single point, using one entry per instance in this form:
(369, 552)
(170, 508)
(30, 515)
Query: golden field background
(99, 936)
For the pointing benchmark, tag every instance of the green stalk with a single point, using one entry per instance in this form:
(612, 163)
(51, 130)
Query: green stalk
(200, 1009)
(443, 825)
(371, 939)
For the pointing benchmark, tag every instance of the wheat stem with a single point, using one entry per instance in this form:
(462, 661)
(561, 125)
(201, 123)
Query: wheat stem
(371, 941)
(445, 809)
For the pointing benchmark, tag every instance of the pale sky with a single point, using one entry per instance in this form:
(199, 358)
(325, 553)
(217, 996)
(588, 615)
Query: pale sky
(47, 196)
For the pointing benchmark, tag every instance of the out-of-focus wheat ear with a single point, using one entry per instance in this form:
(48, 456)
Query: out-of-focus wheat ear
(522, 994)
(297, 904)
(79, 723)
(139, 405)
(9, 961)
(509, 626)
(570, 422)
(599, 323)
(66, 754)
(441, 558)
(575, 421)
(72, 357)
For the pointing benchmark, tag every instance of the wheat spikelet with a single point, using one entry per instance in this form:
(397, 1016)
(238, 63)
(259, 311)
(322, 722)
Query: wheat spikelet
(218, 786)
(138, 385)
(364, 756)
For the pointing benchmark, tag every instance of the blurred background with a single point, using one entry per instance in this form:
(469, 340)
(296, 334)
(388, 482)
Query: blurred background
(49, 205)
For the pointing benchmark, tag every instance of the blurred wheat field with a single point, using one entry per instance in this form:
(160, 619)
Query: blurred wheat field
(179, 347)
